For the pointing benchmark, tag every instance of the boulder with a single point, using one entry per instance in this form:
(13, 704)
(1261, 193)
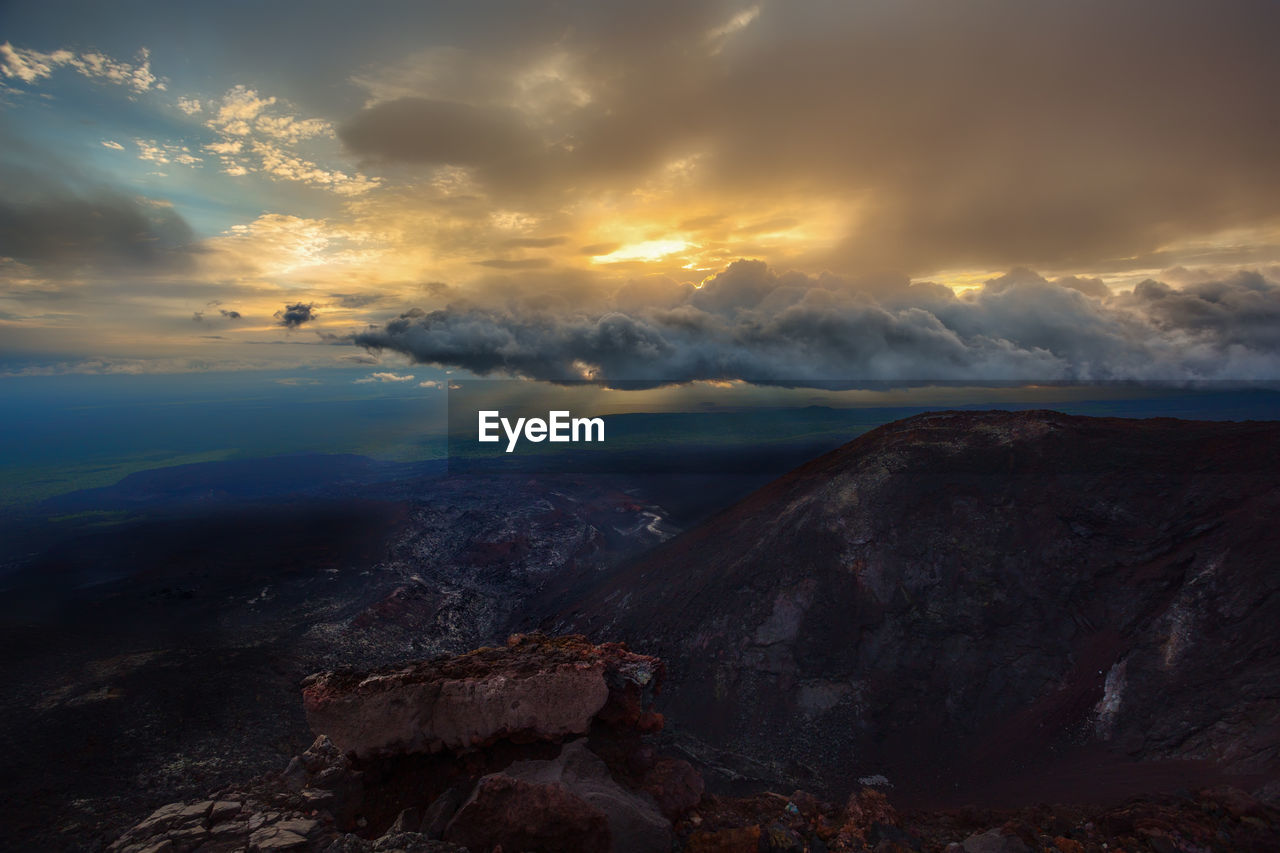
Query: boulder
(441, 811)
(675, 785)
(994, 841)
(531, 816)
(326, 779)
(537, 688)
(578, 783)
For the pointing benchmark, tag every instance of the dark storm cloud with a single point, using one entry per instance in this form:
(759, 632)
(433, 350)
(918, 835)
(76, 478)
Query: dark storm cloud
(752, 323)
(105, 229)
(54, 214)
(293, 316)
(229, 315)
(1243, 310)
(419, 130)
(991, 133)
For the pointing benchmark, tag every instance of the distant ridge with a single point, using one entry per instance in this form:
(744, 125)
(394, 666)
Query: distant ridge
(240, 480)
(965, 601)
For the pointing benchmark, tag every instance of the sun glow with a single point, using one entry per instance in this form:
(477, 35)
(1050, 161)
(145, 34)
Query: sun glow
(649, 250)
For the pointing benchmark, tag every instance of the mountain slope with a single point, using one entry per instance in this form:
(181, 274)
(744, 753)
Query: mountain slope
(979, 604)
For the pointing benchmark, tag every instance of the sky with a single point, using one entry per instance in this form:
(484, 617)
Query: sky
(663, 192)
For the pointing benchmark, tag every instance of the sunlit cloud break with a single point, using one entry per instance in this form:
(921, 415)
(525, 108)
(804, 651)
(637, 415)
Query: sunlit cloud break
(569, 193)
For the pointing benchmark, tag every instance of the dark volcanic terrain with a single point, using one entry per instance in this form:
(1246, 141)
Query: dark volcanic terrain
(962, 608)
(986, 606)
(154, 652)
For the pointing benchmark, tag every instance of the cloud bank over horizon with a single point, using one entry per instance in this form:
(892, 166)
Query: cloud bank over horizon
(754, 324)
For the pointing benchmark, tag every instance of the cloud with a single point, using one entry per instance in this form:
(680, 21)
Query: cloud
(514, 264)
(57, 214)
(31, 66)
(103, 228)
(283, 247)
(128, 366)
(291, 129)
(277, 162)
(293, 316)
(535, 242)
(600, 248)
(360, 359)
(924, 138)
(259, 133)
(229, 315)
(753, 323)
(356, 300)
(385, 377)
(971, 136)
(1242, 310)
(739, 21)
(231, 146)
(237, 108)
(165, 152)
(421, 130)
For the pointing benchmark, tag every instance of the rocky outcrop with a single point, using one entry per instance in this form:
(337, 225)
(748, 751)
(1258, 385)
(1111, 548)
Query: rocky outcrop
(212, 826)
(460, 753)
(537, 688)
(989, 606)
(302, 809)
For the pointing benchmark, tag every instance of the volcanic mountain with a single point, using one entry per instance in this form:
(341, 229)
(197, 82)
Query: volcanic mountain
(978, 605)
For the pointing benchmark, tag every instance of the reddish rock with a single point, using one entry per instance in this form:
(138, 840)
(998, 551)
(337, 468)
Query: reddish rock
(809, 805)
(994, 841)
(520, 815)
(738, 840)
(633, 683)
(537, 688)
(777, 838)
(1235, 802)
(675, 785)
(635, 823)
(865, 810)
